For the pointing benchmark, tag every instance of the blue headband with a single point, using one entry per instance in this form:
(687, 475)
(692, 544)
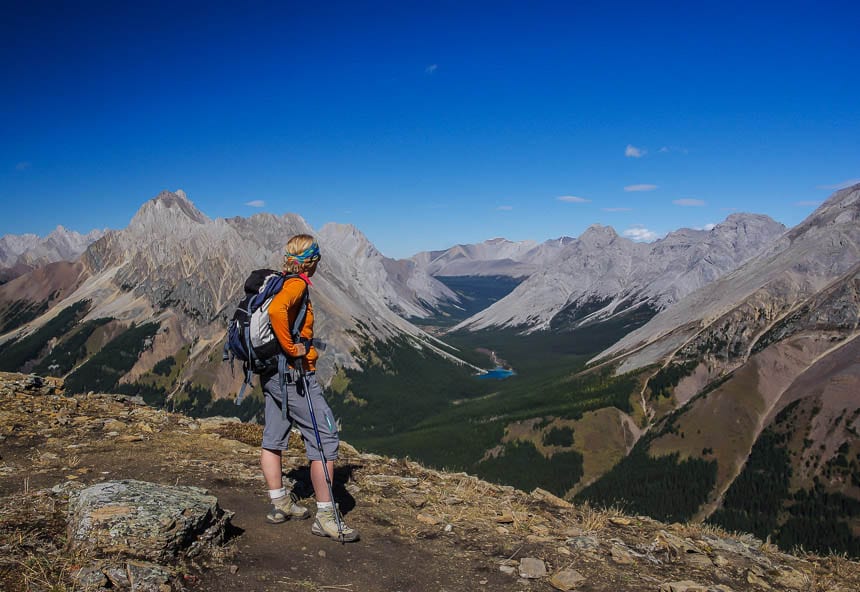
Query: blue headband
(312, 253)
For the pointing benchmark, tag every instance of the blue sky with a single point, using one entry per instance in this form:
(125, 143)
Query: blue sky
(429, 124)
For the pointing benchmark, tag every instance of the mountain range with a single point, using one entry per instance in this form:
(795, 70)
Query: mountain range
(601, 275)
(20, 253)
(707, 353)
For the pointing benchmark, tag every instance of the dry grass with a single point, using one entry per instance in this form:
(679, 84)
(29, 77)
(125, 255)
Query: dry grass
(838, 566)
(32, 529)
(40, 572)
(706, 528)
(596, 519)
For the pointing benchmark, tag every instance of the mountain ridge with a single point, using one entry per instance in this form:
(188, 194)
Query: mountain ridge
(174, 265)
(22, 253)
(602, 274)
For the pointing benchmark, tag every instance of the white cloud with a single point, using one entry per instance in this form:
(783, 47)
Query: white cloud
(709, 226)
(689, 202)
(505, 208)
(23, 166)
(640, 233)
(573, 199)
(841, 185)
(664, 149)
(633, 152)
(257, 203)
(642, 187)
(431, 68)
(807, 203)
(617, 209)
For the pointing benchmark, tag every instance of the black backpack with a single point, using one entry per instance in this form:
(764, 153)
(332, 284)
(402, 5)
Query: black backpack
(250, 337)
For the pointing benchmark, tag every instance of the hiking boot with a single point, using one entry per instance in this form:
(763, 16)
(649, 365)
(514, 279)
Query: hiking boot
(326, 525)
(286, 508)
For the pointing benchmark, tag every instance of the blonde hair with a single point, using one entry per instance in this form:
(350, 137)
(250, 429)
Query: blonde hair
(296, 246)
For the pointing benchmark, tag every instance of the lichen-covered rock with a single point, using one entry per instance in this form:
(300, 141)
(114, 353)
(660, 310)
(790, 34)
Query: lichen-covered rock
(141, 520)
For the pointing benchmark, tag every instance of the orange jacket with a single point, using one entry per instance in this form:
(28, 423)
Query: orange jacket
(282, 313)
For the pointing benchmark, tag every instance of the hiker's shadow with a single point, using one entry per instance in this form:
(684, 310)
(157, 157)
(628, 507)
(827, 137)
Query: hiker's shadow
(342, 475)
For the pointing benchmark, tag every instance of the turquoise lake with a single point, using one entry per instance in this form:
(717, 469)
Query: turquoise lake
(498, 374)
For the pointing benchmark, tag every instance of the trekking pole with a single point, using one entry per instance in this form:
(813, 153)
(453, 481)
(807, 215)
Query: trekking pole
(300, 369)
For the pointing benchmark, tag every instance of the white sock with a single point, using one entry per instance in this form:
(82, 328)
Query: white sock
(324, 506)
(277, 493)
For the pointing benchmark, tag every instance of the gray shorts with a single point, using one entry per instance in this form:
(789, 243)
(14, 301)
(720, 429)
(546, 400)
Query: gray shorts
(276, 433)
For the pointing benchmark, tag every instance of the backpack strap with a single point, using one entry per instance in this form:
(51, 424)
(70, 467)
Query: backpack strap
(249, 365)
(300, 317)
(296, 335)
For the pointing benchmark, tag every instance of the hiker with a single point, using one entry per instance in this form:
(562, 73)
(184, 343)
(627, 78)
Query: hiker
(301, 256)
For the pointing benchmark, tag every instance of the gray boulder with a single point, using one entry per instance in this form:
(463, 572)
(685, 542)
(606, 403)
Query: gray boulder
(147, 521)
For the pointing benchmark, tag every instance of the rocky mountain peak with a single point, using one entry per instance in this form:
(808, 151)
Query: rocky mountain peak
(843, 207)
(401, 286)
(348, 239)
(497, 256)
(751, 226)
(169, 208)
(597, 235)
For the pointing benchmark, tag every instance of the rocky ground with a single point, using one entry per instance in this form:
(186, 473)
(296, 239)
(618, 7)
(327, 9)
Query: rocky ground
(421, 529)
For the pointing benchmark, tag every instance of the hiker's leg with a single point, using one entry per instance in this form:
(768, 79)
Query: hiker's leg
(270, 462)
(284, 506)
(325, 424)
(318, 480)
(276, 429)
(276, 437)
(328, 521)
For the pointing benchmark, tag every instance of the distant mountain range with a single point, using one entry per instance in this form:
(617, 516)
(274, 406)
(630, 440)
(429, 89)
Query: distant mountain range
(728, 355)
(602, 275)
(20, 253)
(175, 266)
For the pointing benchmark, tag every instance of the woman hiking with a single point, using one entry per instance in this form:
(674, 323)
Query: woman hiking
(301, 257)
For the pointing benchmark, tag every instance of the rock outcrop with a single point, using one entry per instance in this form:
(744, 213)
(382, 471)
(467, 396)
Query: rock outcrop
(143, 520)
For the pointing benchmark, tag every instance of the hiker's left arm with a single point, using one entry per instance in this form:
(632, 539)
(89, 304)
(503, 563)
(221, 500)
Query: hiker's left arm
(279, 313)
